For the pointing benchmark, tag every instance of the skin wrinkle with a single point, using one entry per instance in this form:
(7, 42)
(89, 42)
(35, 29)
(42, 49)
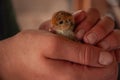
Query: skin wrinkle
(81, 56)
(86, 55)
(85, 62)
(80, 59)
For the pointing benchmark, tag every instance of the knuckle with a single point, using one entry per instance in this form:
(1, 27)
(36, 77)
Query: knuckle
(102, 30)
(88, 53)
(105, 26)
(53, 42)
(109, 20)
(87, 24)
(94, 14)
(113, 40)
(26, 33)
(84, 55)
(94, 10)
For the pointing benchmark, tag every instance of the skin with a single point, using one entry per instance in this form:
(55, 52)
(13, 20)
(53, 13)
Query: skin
(26, 57)
(22, 60)
(107, 37)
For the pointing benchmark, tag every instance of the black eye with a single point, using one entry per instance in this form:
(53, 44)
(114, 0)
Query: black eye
(61, 22)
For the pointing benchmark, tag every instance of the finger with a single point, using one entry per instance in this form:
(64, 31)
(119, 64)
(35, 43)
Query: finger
(112, 41)
(45, 25)
(92, 17)
(100, 31)
(117, 53)
(79, 16)
(64, 49)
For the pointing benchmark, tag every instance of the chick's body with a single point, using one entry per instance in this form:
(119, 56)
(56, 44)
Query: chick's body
(63, 24)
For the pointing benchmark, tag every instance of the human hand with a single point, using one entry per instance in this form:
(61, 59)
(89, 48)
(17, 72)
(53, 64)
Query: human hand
(102, 29)
(91, 22)
(40, 55)
(107, 37)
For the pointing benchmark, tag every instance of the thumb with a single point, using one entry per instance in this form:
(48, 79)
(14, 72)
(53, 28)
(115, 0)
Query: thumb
(79, 53)
(45, 25)
(79, 16)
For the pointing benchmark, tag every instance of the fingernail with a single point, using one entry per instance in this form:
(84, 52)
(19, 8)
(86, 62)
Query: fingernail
(104, 45)
(105, 58)
(91, 38)
(77, 12)
(80, 34)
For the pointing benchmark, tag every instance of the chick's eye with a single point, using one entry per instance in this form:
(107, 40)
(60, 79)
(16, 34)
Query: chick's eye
(69, 20)
(61, 22)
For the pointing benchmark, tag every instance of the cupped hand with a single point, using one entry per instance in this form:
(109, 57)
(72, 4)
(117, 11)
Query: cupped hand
(102, 30)
(94, 30)
(40, 55)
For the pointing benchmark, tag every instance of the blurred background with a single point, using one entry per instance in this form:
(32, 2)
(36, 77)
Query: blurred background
(31, 13)
(17, 15)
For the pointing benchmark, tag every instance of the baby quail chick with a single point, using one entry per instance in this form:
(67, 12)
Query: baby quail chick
(63, 23)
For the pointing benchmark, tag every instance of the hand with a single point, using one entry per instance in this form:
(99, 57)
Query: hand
(102, 29)
(40, 55)
(90, 21)
(104, 35)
